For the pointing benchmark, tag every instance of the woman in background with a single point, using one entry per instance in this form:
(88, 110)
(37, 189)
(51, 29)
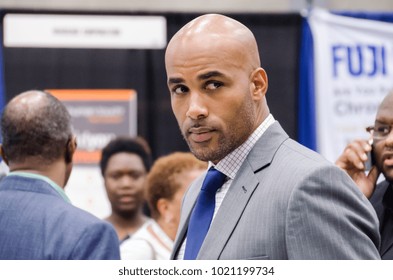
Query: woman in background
(124, 164)
(165, 186)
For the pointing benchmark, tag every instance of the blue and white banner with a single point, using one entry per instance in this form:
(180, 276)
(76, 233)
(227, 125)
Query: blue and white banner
(351, 62)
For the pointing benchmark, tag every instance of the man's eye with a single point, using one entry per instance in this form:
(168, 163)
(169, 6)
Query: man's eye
(115, 176)
(136, 175)
(383, 129)
(213, 85)
(180, 90)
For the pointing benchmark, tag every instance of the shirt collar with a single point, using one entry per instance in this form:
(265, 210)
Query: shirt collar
(55, 186)
(230, 164)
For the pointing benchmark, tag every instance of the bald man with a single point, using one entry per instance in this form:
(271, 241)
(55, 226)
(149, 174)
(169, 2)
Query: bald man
(279, 200)
(37, 220)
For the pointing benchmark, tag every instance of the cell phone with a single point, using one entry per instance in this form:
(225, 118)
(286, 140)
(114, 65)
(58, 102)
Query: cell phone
(370, 162)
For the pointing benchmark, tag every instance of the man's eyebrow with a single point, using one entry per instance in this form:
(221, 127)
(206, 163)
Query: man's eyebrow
(175, 81)
(209, 75)
(204, 76)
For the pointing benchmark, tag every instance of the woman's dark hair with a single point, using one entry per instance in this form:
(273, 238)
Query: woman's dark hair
(125, 144)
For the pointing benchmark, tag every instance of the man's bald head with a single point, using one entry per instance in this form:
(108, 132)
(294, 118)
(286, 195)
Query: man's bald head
(384, 112)
(387, 102)
(35, 124)
(214, 30)
(216, 84)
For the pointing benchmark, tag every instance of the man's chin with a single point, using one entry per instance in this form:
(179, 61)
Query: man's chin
(204, 154)
(198, 153)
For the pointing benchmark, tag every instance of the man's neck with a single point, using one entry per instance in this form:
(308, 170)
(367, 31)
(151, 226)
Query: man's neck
(125, 225)
(168, 227)
(55, 171)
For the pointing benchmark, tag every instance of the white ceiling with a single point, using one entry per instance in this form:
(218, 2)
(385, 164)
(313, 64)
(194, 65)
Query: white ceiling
(197, 5)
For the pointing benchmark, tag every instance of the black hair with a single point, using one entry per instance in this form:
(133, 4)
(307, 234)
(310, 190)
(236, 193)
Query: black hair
(121, 144)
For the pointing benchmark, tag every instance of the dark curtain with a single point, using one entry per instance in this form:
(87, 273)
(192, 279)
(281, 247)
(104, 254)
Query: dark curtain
(144, 70)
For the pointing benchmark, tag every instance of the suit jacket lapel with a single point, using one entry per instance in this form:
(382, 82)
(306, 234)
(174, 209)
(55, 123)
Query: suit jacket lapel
(240, 192)
(376, 199)
(229, 214)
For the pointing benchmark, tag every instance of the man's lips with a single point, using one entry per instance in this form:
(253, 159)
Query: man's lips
(387, 159)
(126, 198)
(200, 134)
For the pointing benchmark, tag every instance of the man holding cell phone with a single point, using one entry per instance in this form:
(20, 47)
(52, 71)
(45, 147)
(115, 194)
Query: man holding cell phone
(379, 151)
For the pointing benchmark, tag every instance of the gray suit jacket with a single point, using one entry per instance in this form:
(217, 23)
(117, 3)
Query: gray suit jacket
(287, 202)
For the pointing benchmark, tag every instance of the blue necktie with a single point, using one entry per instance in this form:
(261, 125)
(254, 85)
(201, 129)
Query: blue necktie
(202, 214)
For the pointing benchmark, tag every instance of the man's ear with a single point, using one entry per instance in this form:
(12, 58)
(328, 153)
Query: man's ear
(2, 154)
(70, 149)
(259, 83)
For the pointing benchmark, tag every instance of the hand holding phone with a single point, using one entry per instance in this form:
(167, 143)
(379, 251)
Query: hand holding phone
(370, 162)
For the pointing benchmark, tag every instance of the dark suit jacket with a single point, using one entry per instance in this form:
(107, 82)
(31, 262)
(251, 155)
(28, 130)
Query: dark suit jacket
(37, 223)
(382, 200)
(287, 202)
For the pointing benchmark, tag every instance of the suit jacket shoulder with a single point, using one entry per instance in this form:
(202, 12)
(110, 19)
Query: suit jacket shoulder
(36, 223)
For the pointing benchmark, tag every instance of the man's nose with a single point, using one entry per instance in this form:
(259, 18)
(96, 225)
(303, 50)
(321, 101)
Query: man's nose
(127, 182)
(197, 107)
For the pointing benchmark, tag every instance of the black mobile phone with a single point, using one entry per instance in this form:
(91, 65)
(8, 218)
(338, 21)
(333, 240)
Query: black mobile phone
(370, 162)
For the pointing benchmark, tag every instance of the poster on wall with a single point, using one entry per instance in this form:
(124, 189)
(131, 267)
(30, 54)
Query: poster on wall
(84, 31)
(97, 116)
(353, 71)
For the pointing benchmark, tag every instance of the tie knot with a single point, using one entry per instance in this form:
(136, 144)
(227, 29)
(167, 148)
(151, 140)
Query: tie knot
(213, 180)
